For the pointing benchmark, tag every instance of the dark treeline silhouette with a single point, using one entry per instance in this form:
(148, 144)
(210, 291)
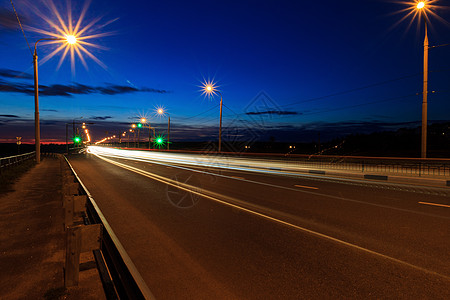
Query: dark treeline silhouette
(404, 142)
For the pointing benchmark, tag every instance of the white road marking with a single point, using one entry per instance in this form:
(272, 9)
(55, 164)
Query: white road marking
(284, 187)
(201, 192)
(307, 187)
(434, 204)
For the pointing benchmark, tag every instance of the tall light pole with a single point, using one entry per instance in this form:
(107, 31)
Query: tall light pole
(421, 7)
(134, 130)
(162, 112)
(37, 132)
(210, 89)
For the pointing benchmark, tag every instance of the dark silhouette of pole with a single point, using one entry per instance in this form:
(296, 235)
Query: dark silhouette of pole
(168, 132)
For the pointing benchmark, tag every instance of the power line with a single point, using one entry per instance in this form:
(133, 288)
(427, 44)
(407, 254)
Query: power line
(339, 108)
(361, 104)
(206, 111)
(351, 90)
(20, 24)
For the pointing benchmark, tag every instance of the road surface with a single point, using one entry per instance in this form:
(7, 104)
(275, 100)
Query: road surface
(198, 232)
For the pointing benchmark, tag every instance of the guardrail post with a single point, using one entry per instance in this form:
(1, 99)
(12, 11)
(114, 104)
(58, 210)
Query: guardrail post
(79, 239)
(73, 250)
(71, 188)
(73, 205)
(79, 203)
(68, 211)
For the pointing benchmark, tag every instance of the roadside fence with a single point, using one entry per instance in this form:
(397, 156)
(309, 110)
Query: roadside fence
(6, 162)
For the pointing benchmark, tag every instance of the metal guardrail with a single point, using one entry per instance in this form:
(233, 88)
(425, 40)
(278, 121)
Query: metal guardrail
(392, 165)
(432, 167)
(120, 277)
(399, 166)
(15, 160)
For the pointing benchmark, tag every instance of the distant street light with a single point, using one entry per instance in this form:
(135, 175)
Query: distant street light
(209, 88)
(162, 112)
(134, 126)
(70, 39)
(73, 123)
(150, 129)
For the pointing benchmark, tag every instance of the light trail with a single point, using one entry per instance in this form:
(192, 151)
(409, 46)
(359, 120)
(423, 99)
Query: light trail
(264, 213)
(168, 160)
(307, 187)
(240, 164)
(434, 204)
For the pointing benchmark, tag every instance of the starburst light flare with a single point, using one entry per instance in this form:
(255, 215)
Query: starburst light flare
(209, 88)
(73, 37)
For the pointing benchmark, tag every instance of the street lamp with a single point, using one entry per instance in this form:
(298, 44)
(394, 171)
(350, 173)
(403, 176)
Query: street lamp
(150, 129)
(162, 112)
(70, 39)
(210, 89)
(421, 7)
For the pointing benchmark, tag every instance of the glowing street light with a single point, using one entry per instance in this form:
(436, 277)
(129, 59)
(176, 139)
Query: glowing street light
(71, 39)
(421, 8)
(210, 89)
(161, 111)
(37, 131)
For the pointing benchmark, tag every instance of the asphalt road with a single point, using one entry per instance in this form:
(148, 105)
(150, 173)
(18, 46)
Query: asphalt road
(206, 233)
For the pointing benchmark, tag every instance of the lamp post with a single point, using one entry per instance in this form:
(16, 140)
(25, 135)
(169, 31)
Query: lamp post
(129, 136)
(74, 133)
(37, 132)
(150, 128)
(162, 112)
(421, 7)
(210, 89)
(134, 126)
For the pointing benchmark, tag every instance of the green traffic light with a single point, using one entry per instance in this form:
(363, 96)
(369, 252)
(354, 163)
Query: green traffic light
(139, 125)
(77, 139)
(159, 141)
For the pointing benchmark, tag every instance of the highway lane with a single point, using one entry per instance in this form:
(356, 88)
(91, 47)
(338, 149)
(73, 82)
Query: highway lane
(249, 235)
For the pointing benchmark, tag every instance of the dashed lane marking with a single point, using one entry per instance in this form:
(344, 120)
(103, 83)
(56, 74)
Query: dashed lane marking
(434, 204)
(306, 187)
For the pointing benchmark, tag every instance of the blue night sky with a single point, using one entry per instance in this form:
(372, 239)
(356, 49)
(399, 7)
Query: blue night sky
(288, 69)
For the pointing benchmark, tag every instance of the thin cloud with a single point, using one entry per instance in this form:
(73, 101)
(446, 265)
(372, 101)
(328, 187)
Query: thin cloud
(272, 112)
(8, 21)
(101, 118)
(9, 116)
(14, 74)
(74, 89)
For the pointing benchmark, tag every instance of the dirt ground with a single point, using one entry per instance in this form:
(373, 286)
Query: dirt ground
(32, 240)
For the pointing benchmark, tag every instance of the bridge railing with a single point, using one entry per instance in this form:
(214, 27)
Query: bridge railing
(401, 166)
(391, 165)
(10, 161)
(121, 279)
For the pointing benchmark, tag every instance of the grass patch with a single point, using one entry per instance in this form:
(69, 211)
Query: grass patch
(11, 174)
